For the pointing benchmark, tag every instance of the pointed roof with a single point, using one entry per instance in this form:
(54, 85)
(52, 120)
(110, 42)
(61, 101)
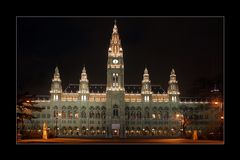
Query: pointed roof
(145, 71)
(56, 70)
(115, 29)
(83, 75)
(56, 76)
(172, 72)
(84, 70)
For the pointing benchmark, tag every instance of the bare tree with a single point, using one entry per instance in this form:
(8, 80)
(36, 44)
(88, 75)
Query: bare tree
(191, 115)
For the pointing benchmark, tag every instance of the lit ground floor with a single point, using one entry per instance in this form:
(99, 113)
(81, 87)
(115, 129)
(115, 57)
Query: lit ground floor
(120, 141)
(105, 133)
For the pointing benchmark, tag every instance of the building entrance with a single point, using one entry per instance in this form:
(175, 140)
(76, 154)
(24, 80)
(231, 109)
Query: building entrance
(115, 130)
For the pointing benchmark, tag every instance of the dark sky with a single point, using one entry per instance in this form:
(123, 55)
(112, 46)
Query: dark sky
(193, 46)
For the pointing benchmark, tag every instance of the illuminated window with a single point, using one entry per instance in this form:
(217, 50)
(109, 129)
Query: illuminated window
(146, 86)
(146, 98)
(76, 115)
(115, 79)
(63, 114)
(69, 114)
(55, 97)
(153, 116)
(84, 98)
(174, 99)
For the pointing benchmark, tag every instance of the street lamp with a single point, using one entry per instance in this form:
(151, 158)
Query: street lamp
(87, 131)
(58, 115)
(56, 126)
(177, 115)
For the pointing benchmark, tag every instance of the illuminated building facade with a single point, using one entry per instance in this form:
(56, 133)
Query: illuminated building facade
(120, 110)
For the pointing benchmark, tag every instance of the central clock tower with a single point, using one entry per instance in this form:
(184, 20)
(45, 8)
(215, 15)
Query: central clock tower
(115, 87)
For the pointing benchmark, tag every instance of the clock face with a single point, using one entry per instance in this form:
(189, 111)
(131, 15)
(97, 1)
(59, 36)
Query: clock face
(115, 61)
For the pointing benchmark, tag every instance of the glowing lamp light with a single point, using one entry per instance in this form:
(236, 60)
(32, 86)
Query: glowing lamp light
(215, 102)
(153, 116)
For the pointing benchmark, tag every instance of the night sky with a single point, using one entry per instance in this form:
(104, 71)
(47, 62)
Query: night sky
(193, 46)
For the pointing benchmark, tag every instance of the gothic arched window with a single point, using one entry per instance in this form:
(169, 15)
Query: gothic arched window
(103, 115)
(115, 111)
(139, 115)
(147, 114)
(83, 114)
(91, 114)
(97, 115)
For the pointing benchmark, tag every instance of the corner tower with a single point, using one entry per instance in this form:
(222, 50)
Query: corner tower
(146, 87)
(173, 91)
(83, 86)
(56, 87)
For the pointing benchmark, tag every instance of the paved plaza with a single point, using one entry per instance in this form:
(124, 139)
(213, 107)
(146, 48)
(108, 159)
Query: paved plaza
(117, 141)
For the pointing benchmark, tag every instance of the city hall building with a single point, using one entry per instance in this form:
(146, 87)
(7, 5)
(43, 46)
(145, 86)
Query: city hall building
(119, 110)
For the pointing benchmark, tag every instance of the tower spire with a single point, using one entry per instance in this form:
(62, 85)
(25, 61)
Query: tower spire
(56, 70)
(115, 48)
(84, 70)
(84, 75)
(145, 71)
(172, 72)
(115, 29)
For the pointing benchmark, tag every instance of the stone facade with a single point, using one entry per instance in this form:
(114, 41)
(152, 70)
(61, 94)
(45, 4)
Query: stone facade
(118, 111)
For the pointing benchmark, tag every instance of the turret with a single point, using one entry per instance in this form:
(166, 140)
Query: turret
(83, 87)
(56, 87)
(146, 87)
(173, 91)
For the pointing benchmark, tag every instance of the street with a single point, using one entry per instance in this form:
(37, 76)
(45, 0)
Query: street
(118, 141)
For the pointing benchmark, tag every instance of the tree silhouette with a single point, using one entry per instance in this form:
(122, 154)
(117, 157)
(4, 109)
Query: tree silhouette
(24, 108)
